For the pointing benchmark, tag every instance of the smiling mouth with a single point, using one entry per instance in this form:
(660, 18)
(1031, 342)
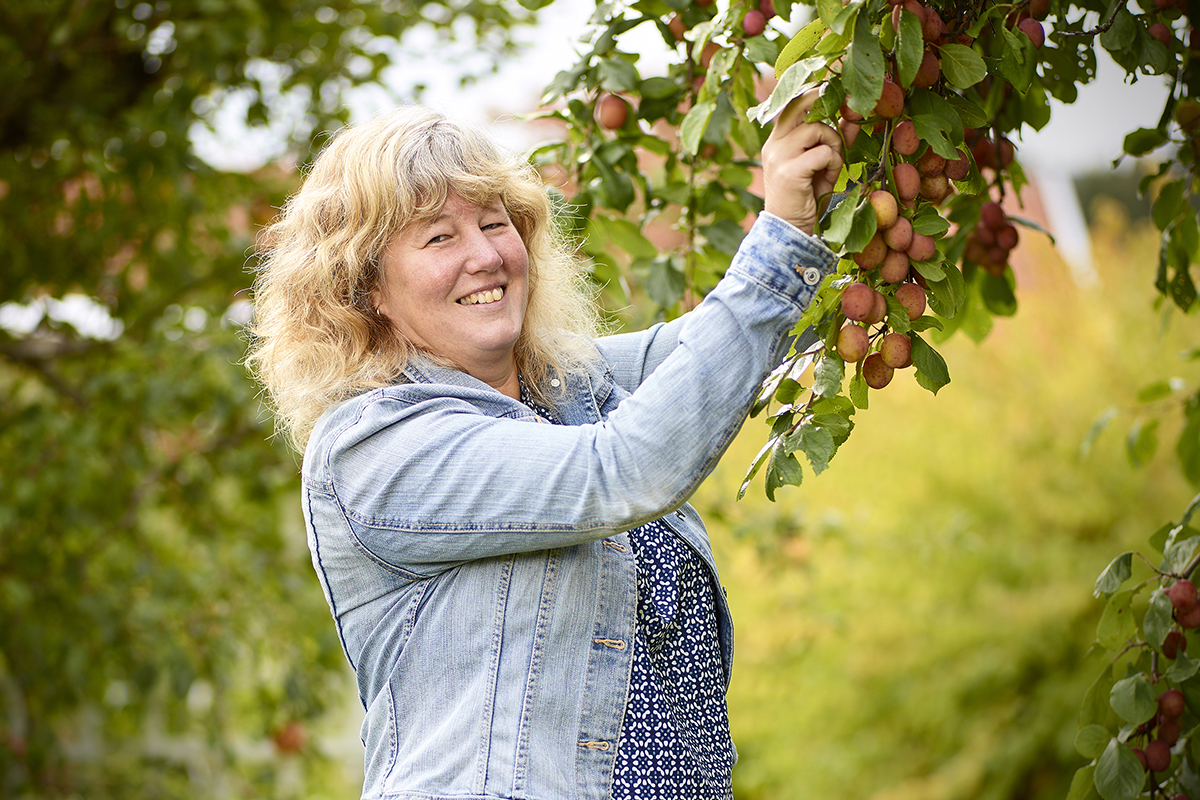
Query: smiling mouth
(482, 298)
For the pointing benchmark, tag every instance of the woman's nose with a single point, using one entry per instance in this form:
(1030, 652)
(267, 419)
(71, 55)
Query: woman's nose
(483, 255)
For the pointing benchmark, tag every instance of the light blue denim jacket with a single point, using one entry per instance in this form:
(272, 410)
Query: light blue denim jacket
(476, 563)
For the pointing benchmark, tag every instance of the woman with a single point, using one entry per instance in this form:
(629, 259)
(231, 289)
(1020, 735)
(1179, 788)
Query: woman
(531, 610)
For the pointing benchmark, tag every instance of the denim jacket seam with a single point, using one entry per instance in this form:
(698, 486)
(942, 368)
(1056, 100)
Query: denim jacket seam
(362, 547)
(550, 580)
(786, 287)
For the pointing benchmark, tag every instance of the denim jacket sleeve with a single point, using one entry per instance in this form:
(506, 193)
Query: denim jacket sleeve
(424, 479)
(633, 356)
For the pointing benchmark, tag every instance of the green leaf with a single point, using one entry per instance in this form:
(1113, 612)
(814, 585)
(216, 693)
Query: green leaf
(897, 316)
(1096, 708)
(962, 66)
(910, 49)
(1179, 553)
(1168, 204)
(1116, 573)
(1116, 624)
(1141, 441)
(926, 323)
(1119, 774)
(1153, 55)
(932, 373)
(1158, 539)
(1154, 391)
(1018, 61)
(998, 295)
(1144, 140)
(666, 283)
(1035, 106)
(837, 423)
(930, 223)
(691, 132)
(936, 121)
(862, 70)
(816, 443)
(1180, 287)
(796, 80)
(798, 45)
(969, 112)
(1083, 784)
(1186, 234)
(1122, 33)
(827, 377)
(613, 187)
(724, 234)
(862, 227)
(622, 233)
(947, 296)
(782, 470)
(1158, 620)
(658, 88)
(841, 219)
(1183, 668)
(859, 394)
(1091, 740)
(717, 129)
(756, 465)
(618, 75)
(931, 271)
(836, 15)
(1187, 448)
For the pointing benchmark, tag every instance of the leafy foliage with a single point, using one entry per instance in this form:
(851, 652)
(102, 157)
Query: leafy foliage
(657, 190)
(928, 98)
(162, 631)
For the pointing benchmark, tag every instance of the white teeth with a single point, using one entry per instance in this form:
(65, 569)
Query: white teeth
(489, 296)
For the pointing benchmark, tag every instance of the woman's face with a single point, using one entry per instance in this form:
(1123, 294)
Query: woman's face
(458, 286)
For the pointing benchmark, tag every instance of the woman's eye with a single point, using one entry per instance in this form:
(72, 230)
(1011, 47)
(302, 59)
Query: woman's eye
(441, 237)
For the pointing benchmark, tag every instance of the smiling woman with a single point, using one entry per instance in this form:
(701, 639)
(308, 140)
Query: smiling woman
(321, 332)
(531, 610)
(456, 285)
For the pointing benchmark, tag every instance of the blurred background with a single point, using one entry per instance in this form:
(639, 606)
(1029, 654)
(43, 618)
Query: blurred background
(913, 623)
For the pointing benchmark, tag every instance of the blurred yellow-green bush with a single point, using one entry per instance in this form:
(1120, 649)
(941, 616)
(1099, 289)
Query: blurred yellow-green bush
(913, 622)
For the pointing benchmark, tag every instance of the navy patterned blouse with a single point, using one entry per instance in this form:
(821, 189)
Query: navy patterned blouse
(674, 740)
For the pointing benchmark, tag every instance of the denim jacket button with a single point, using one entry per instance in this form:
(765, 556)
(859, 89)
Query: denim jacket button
(811, 276)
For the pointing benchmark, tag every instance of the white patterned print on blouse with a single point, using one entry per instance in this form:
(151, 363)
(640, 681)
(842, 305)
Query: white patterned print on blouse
(674, 742)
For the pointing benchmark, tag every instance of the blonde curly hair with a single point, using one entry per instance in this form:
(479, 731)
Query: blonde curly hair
(317, 339)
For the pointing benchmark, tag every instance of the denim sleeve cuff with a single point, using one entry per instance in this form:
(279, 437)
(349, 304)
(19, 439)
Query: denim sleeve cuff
(784, 258)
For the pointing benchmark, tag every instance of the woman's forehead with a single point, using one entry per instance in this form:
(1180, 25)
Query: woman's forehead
(453, 203)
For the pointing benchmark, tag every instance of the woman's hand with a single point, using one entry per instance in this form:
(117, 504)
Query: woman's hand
(801, 161)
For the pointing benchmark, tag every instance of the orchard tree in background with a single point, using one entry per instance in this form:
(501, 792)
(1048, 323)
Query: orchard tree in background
(161, 635)
(932, 99)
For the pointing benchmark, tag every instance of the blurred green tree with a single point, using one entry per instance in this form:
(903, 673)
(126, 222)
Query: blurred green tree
(162, 635)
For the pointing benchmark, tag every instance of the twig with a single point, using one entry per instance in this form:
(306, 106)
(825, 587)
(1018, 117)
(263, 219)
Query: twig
(1101, 28)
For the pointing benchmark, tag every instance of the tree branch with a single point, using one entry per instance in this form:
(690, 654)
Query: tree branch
(1101, 28)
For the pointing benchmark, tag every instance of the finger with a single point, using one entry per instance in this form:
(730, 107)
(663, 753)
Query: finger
(819, 165)
(794, 113)
(814, 134)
